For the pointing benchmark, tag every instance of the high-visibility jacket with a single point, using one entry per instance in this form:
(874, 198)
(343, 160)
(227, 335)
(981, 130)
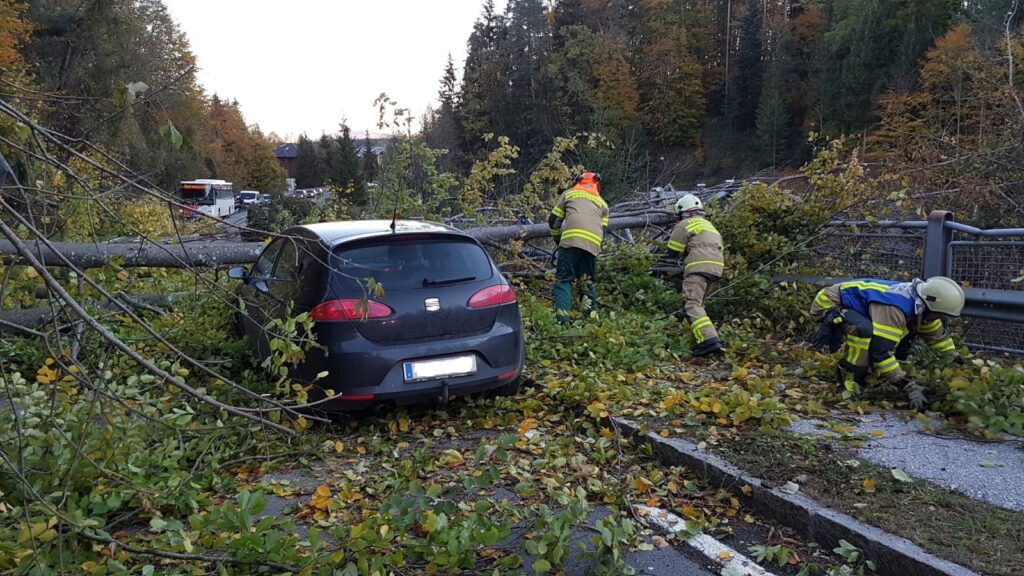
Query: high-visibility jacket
(579, 218)
(701, 243)
(895, 312)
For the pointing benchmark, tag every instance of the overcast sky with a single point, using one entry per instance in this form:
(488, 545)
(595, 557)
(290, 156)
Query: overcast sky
(303, 65)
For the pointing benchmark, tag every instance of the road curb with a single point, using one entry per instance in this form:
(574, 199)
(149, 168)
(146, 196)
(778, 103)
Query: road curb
(893, 555)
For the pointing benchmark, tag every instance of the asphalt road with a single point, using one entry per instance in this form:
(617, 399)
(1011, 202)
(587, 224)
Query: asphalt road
(988, 471)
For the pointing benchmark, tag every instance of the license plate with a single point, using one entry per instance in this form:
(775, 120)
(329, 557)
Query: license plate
(440, 368)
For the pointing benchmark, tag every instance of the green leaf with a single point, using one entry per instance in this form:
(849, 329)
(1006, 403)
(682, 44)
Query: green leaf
(171, 135)
(148, 570)
(991, 464)
(541, 566)
(901, 475)
(157, 524)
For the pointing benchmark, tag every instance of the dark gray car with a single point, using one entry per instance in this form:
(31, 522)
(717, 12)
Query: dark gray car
(446, 323)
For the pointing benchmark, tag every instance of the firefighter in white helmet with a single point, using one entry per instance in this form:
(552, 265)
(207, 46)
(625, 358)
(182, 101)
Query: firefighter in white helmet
(878, 319)
(699, 243)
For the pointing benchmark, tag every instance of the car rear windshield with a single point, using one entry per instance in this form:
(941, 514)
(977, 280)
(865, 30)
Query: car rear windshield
(405, 264)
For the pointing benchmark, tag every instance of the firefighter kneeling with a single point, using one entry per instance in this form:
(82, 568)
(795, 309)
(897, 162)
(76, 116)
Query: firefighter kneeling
(879, 318)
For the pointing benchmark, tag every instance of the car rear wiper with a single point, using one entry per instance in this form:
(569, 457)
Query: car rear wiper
(431, 282)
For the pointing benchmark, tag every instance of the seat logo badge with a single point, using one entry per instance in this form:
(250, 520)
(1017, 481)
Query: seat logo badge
(432, 304)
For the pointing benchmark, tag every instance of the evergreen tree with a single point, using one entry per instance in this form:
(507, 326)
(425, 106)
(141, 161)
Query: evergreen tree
(872, 46)
(308, 168)
(327, 157)
(348, 172)
(370, 167)
(523, 49)
(749, 66)
(772, 119)
(484, 80)
(442, 129)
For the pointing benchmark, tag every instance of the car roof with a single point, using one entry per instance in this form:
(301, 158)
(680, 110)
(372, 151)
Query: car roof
(334, 233)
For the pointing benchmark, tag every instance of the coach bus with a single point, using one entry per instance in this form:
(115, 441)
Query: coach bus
(211, 197)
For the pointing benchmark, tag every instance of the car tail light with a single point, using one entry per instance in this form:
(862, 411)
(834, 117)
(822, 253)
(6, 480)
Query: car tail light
(509, 375)
(493, 296)
(350, 309)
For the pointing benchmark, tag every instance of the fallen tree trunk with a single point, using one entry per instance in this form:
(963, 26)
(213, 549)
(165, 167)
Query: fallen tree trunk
(83, 255)
(28, 320)
(210, 254)
(502, 233)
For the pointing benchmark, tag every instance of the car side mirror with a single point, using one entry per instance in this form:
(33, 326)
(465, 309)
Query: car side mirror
(238, 273)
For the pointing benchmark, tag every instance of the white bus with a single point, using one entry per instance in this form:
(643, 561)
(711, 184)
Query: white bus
(211, 197)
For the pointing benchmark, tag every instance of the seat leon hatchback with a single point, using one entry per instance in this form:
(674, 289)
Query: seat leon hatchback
(405, 312)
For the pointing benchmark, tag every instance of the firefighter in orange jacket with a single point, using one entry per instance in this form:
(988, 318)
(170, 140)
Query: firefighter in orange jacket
(577, 224)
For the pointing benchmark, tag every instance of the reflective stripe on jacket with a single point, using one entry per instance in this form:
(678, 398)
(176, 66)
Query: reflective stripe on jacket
(698, 239)
(581, 216)
(860, 294)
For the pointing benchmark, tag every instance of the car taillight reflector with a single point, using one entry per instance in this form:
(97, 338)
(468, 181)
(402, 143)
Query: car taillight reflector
(349, 309)
(509, 375)
(493, 296)
(356, 397)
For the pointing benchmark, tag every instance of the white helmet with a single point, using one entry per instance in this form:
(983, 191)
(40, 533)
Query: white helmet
(688, 203)
(942, 295)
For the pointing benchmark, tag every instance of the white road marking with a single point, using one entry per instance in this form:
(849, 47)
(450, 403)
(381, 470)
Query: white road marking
(732, 562)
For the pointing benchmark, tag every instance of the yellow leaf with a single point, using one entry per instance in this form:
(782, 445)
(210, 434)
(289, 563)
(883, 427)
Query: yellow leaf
(878, 433)
(724, 556)
(90, 566)
(403, 424)
(663, 433)
(747, 490)
(301, 423)
(451, 457)
(182, 371)
(339, 446)
(642, 484)
(869, 484)
(31, 531)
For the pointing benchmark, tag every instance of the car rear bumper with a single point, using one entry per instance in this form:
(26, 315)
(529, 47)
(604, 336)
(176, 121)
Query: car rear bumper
(362, 372)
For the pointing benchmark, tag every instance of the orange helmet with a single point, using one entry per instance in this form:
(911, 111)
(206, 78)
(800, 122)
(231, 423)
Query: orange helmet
(589, 177)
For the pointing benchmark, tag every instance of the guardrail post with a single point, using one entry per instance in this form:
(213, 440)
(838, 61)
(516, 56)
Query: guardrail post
(936, 244)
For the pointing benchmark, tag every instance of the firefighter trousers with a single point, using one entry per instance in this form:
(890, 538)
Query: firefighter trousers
(695, 287)
(574, 264)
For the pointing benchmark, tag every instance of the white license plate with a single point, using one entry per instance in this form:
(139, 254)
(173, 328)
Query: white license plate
(440, 368)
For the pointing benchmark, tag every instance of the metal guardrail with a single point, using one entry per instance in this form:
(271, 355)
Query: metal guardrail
(988, 263)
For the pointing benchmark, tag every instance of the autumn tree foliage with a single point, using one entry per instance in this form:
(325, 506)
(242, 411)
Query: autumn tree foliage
(955, 139)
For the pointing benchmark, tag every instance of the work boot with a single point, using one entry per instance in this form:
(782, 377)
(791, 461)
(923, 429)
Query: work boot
(709, 347)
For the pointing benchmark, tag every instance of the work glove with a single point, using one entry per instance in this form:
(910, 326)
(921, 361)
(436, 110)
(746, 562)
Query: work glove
(830, 334)
(917, 395)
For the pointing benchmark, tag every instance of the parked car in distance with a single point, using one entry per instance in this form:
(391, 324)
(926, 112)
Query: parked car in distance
(447, 323)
